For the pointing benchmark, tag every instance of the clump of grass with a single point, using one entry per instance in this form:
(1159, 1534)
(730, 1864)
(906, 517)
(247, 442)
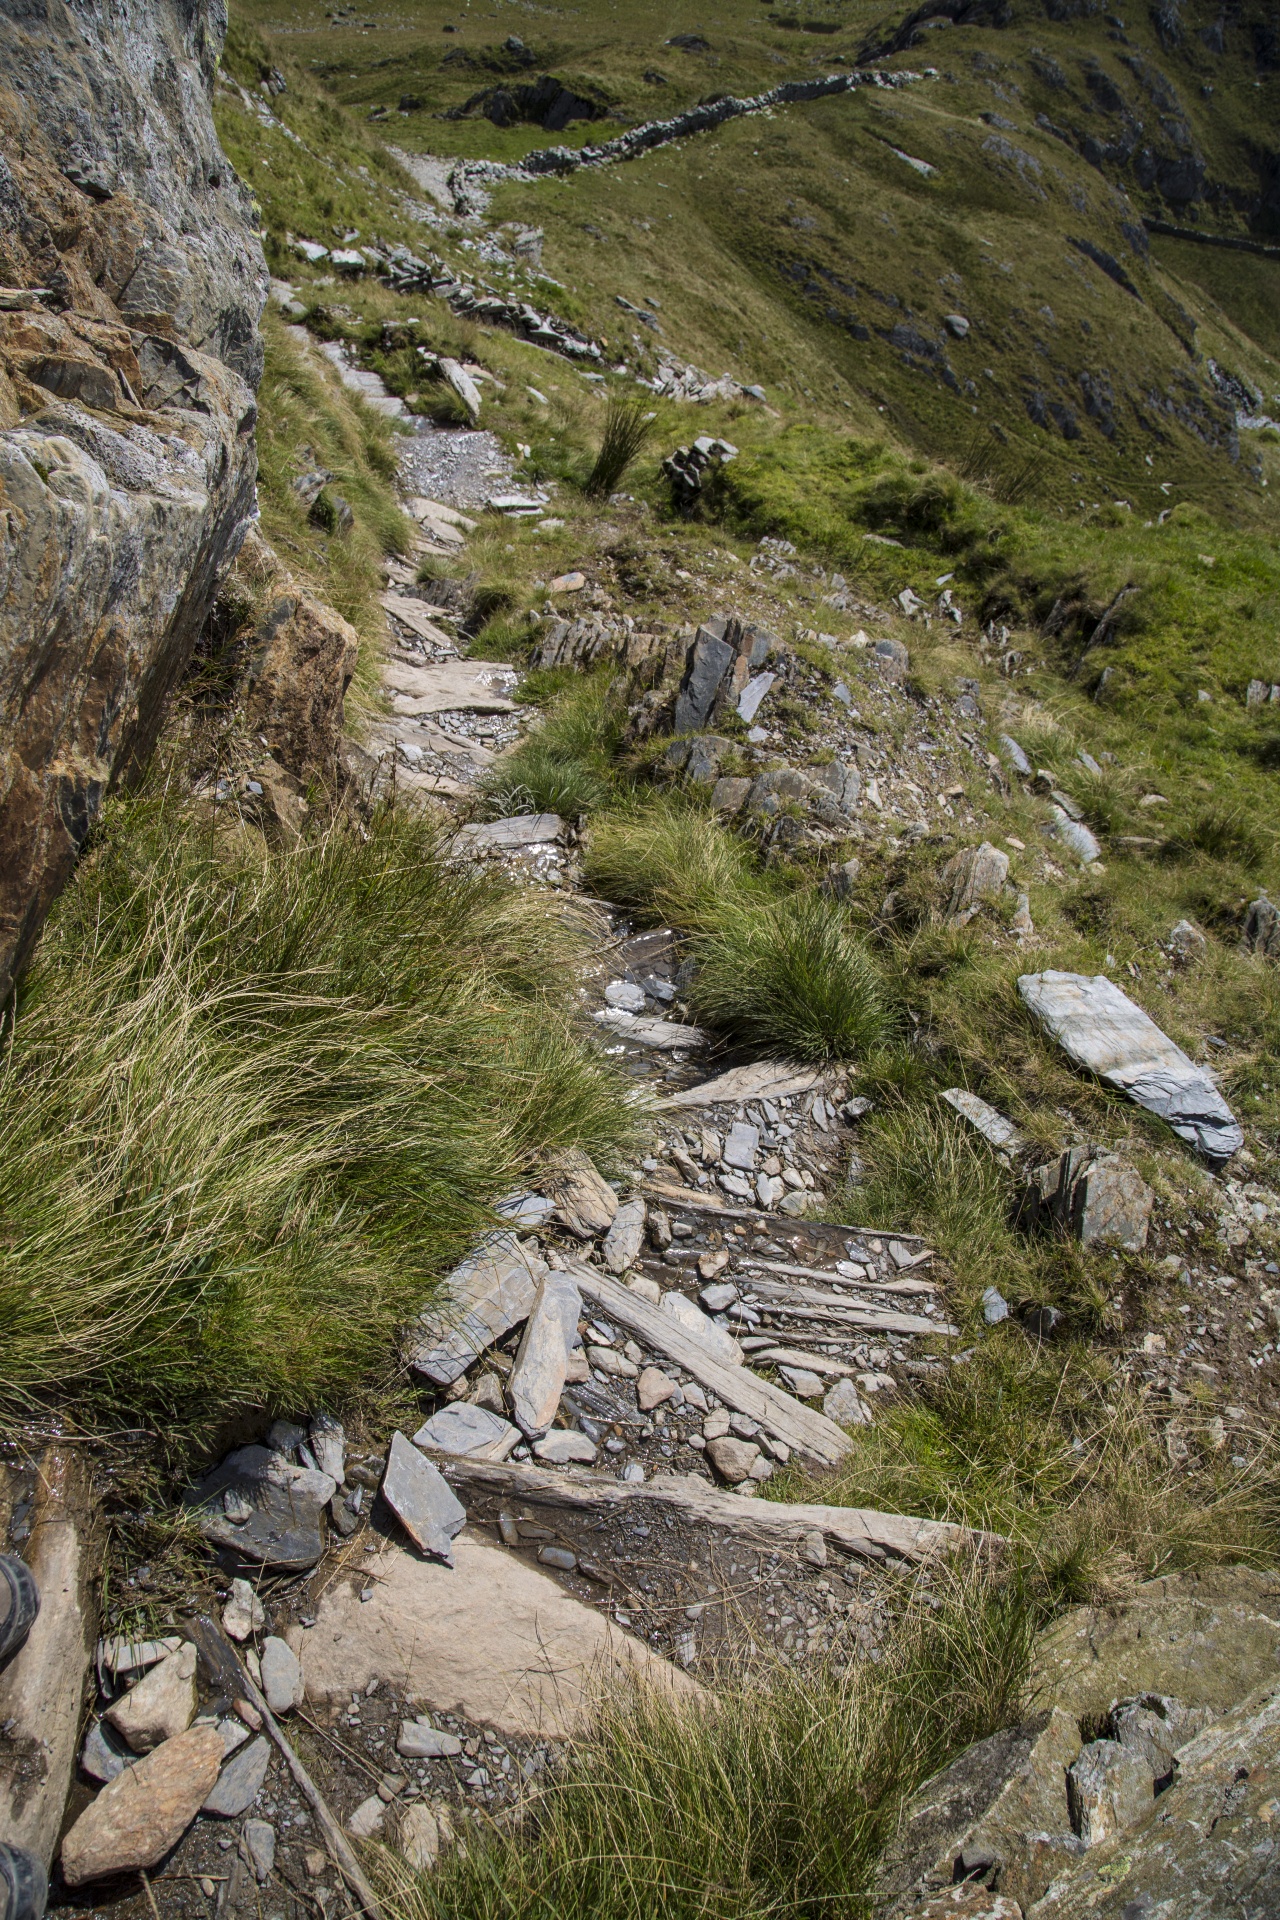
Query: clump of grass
(776, 969)
(627, 426)
(773, 1796)
(1222, 833)
(566, 764)
(1044, 1446)
(254, 1103)
(670, 863)
(791, 975)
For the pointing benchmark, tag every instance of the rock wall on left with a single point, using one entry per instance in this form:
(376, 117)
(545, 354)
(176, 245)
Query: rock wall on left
(132, 281)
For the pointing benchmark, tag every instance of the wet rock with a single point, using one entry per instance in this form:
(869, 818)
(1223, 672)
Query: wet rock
(422, 1500)
(465, 1428)
(733, 1459)
(145, 1810)
(972, 877)
(487, 1295)
(1098, 1197)
(258, 1845)
(162, 1704)
(264, 1508)
(281, 1676)
(985, 1814)
(419, 1740)
(1205, 1639)
(585, 1203)
(1108, 1790)
(1100, 1029)
(240, 1782)
(537, 1378)
(244, 1613)
(625, 1238)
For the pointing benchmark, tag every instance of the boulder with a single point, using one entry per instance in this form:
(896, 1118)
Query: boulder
(585, 1202)
(999, 1810)
(1154, 1726)
(145, 1810)
(709, 659)
(1100, 1029)
(1205, 1848)
(1096, 1196)
(733, 1459)
(729, 793)
(537, 1378)
(160, 1705)
(485, 1297)
(495, 1640)
(302, 658)
(422, 1500)
(127, 456)
(1205, 1639)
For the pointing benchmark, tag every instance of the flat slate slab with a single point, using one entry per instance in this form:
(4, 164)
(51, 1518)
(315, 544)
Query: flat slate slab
(491, 1292)
(421, 1499)
(265, 1511)
(493, 1639)
(463, 1429)
(1099, 1028)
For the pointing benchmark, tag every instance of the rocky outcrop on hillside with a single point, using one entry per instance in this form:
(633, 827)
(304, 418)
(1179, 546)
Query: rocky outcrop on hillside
(131, 283)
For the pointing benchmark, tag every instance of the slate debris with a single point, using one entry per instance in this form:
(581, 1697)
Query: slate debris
(422, 1500)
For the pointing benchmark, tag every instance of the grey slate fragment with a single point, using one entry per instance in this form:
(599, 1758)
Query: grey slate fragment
(994, 1128)
(263, 1509)
(710, 658)
(1100, 1029)
(537, 1378)
(421, 1500)
(240, 1782)
(104, 1753)
(1014, 754)
(1074, 834)
(465, 1429)
(621, 1245)
(490, 1293)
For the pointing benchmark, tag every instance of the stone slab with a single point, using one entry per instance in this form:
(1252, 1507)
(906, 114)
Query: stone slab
(495, 1640)
(422, 1500)
(484, 1297)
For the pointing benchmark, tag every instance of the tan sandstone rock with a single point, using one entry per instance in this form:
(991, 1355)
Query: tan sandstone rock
(145, 1810)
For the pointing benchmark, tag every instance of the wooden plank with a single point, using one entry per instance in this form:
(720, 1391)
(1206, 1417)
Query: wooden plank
(785, 1417)
(755, 1521)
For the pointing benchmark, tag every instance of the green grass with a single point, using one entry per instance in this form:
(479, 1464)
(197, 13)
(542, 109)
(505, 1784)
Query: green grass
(565, 764)
(771, 1796)
(255, 1103)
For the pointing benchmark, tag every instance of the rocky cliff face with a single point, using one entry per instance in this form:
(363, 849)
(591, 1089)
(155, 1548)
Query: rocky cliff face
(131, 284)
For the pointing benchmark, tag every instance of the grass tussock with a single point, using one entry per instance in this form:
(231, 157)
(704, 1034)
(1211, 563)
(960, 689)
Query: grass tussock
(566, 764)
(1045, 1446)
(771, 1797)
(774, 968)
(627, 425)
(255, 1102)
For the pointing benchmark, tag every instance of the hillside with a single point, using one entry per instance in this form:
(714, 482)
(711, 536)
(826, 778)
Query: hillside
(642, 1175)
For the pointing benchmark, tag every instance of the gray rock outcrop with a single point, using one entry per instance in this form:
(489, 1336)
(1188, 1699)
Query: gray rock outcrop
(1097, 1197)
(127, 375)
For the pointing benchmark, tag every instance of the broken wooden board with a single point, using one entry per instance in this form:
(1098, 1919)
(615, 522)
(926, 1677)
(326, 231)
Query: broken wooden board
(755, 1521)
(798, 1426)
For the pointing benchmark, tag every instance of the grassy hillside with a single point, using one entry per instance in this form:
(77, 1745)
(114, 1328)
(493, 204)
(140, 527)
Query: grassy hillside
(818, 251)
